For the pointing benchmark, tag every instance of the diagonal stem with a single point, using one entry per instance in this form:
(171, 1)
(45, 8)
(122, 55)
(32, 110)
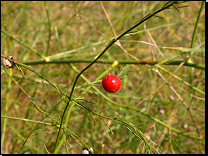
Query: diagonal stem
(167, 5)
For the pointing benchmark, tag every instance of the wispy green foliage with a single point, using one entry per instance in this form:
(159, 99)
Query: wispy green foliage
(52, 101)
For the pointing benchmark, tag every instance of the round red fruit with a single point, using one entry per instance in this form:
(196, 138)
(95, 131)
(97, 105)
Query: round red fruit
(111, 83)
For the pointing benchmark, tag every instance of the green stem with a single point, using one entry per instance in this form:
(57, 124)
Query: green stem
(73, 104)
(69, 97)
(28, 120)
(183, 81)
(146, 18)
(167, 5)
(141, 62)
(196, 25)
(49, 28)
(195, 28)
(33, 70)
(129, 107)
(25, 45)
(6, 111)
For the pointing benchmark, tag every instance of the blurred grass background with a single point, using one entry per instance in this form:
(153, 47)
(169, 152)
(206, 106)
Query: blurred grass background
(74, 25)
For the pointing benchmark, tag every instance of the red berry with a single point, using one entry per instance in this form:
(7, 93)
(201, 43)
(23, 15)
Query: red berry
(111, 83)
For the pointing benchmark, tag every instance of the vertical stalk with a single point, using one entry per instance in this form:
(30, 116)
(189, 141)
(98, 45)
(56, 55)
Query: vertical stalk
(6, 110)
(49, 28)
(167, 5)
(195, 28)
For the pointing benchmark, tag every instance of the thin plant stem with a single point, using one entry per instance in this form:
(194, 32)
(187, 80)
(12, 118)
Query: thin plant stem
(4, 125)
(35, 127)
(25, 45)
(49, 28)
(69, 97)
(181, 80)
(33, 70)
(196, 25)
(140, 62)
(28, 120)
(137, 110)
(107, 47)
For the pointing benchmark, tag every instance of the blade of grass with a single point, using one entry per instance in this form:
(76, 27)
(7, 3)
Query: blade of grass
(35, 127)
(4, 125)
(28, 120)
(49, 28)
(196, 25)
(181, 80)
(68, 53)
(25, 45)
(18, 16)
